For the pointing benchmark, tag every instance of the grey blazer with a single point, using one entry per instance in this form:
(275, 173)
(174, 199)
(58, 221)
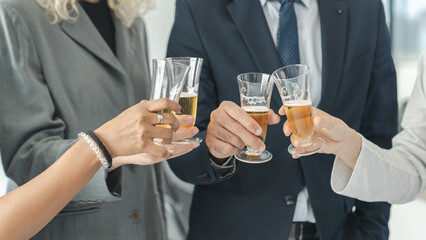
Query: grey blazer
(57, 80)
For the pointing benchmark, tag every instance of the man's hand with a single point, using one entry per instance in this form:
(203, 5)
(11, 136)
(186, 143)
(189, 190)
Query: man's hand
(231, 128)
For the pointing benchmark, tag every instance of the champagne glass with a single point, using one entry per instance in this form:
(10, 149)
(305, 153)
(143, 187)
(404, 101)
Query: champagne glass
(294, 87)
(168, 78)
(255, 95)
(189, 96)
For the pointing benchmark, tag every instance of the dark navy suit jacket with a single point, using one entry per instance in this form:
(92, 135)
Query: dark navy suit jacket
(359, 86)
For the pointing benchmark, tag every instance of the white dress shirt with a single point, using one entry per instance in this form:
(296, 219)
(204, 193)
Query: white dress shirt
(310, 52)
(309, 29)
(397, 175)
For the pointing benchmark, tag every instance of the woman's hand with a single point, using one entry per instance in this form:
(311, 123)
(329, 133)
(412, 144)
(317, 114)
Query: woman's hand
(176, 149)
(132, 132)
(340, 139)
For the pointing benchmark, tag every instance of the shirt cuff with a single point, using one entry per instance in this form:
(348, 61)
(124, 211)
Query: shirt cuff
(226, 169)
(343, 177)
(113, 180)
(224, 165)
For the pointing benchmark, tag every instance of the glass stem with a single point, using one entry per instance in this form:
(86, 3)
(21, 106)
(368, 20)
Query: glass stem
(305, 142)
(251, 151)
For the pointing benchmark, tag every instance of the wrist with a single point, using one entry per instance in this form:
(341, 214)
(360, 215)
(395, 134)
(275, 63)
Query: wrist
(98, 148)
(84, 149)
(351, 148)
(116, 163)
(215, 156)
(218, 161)
(103, 136)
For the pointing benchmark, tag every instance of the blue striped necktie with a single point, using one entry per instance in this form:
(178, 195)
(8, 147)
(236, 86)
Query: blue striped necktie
(288, 39)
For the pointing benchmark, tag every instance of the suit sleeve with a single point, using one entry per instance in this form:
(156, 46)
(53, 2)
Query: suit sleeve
(379, 125)
(185, 40)
(32, 136)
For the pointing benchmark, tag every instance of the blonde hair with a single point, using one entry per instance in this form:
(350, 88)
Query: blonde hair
(125, 10)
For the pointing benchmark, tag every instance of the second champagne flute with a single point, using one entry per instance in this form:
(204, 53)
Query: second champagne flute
(255, 94)
(189, 96)
(167, 81)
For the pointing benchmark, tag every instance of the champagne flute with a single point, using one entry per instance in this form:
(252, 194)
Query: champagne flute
(189, 96)
(255, 95)
(294, 87)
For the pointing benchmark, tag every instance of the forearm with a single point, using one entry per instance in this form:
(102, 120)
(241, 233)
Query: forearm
(37, 154)
(397, 175)
(350, 148)
(29, 208)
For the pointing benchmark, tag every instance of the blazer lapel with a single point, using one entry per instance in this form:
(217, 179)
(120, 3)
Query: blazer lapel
(85, 33)
(333, 17)
(125, 49)
(250, 21)
(124, 44)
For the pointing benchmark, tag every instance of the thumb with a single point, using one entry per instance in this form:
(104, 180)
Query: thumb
(327, 122)
(331, 127)
(273, 118)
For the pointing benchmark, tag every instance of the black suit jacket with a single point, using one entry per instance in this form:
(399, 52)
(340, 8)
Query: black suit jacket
(359, 86)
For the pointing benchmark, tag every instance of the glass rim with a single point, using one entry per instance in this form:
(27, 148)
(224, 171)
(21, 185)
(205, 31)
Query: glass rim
(174, 62)
(253, 73)
(292, 65)
(196, 59)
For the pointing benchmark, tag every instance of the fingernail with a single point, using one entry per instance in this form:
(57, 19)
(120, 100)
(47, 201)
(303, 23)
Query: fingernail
(196, 145)
(242, 145)
(196, 130)
(258, 131)
(262, 148)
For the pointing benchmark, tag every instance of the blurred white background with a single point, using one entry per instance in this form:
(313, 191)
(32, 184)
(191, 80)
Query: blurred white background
(407, 21)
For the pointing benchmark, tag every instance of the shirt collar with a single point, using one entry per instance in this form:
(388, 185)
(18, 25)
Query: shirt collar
(307, 3)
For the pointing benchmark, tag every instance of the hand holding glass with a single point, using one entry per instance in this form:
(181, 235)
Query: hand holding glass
(294, 87)
(255, 94)
(168, 78)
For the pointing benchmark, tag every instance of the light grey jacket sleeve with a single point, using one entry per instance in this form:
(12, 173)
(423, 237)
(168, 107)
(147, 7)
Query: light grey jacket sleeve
(31, 133)
(397, 175)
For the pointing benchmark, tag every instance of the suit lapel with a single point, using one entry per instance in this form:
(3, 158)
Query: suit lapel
(85, 33)
(333, 17)
(249, 18)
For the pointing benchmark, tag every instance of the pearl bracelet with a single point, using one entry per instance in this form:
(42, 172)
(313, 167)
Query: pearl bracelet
(95, 148)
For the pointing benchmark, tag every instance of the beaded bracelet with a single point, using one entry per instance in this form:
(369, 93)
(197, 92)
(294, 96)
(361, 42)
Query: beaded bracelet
(95, 148)
(101, 146)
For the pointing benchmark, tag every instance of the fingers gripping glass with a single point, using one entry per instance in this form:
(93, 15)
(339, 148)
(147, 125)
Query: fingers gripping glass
(255, 94)
(167, 82)
(189, 96)
(294, 87)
